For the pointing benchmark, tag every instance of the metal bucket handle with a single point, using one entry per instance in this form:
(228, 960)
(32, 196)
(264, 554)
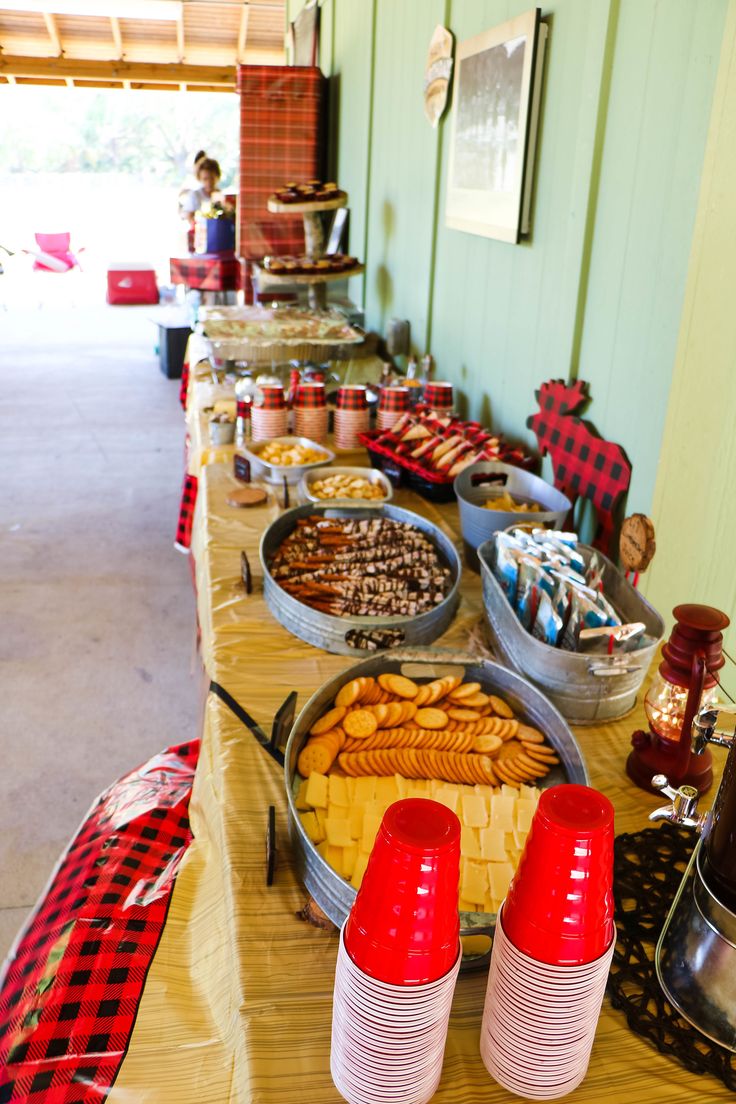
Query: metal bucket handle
(479, 478)
(603, 671)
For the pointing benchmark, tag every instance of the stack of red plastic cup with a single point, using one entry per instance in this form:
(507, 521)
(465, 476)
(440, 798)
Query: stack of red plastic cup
(351, 416)
(310, 412)
(552, 949)
(398, 960)
(270, 419)
(438, 396)
(394, 402)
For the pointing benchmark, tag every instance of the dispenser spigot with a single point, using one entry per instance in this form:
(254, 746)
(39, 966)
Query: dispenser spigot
(683, 809)
(704, 729)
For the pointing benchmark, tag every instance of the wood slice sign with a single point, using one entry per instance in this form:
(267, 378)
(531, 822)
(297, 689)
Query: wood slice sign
(437, 74)
(636, 543)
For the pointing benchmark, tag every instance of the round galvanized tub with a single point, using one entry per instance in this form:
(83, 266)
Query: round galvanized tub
(349, 635)
(586, 688)
(479, 523)
(331, 892)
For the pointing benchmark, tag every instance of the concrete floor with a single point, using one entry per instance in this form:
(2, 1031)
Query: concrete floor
(96, 607)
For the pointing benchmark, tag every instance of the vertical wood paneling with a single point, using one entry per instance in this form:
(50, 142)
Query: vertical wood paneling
(694, 499)
(664, 70)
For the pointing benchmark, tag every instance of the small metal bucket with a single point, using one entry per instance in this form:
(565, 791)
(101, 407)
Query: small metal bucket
(586, 688)
(480, 482)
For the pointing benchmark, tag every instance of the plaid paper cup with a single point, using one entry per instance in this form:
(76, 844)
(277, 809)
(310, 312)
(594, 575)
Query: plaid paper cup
(352, 397)
(395, 400)
(273, 397)
(310, 396)
(349, 424)
(311, 423)
(438, 395)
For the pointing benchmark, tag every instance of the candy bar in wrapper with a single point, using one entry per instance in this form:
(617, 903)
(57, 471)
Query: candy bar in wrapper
(571, 555)
(548, 623)
(584, 613)
(594, 574)
(528, 589)
(556, 535)
(612, 618)
(626, 638)
(506, 567)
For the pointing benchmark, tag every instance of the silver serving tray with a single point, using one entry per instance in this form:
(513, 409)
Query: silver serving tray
(332, 893)
(276, 473)
(342, 635)
(585, 687)
(372, 475)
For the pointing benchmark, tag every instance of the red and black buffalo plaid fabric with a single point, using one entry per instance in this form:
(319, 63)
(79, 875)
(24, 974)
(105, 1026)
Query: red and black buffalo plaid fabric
(186, 513)
(352, 398)
(70, 990)
(584, 464)
(184, 385)
(207, 271)
(282, 122)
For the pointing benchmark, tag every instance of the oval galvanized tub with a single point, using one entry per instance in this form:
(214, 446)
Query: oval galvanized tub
(586, 688)
(479, 523)
(350, 635)
(331, 892)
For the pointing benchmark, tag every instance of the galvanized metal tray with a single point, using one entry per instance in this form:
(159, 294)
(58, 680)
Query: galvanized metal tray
(586, 688)
(276, 473)
(331, 892)
(372, 475)
(351, 635)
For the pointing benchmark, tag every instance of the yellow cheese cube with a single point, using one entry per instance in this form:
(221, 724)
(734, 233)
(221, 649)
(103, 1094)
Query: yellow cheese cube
(338, 831)
(499, 878)
(502, 813)
(371, 824)
(349, 857)
(301, 796)
(415, 791)
(387, 791)
(473, 881)
(493, 845)
(469, 846)
(334, 857)
(509, 791)
(316, 794)
(524, 812)
(465, 906)
(529, 793)
(509, 841)
(350, 783)
(356, 822)
(374, 809)
(322, 849)
(475, 811)
(489, 905)
(484, 791)
(321, 815)
(519, 839)
(448, 796)
(402, 786)
(365, 788)
(359, 869)
(311, 827)
(338, 791)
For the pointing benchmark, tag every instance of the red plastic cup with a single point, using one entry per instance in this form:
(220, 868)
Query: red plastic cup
(404, 927)
(559, 907)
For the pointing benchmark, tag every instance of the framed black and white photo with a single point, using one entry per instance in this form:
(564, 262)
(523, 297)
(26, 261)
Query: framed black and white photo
(494, 117)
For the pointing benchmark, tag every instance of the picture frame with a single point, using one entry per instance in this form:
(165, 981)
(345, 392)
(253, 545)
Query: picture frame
(494, 117)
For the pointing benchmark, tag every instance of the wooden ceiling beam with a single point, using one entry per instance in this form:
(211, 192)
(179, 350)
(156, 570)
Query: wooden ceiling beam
(53, 33)
(117, 37)
(243, 32)
(222, 76)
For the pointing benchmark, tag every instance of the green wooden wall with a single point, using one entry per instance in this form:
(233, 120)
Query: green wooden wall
(597, 291)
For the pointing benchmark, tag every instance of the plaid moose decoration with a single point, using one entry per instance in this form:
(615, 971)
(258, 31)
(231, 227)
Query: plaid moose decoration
(584, 464)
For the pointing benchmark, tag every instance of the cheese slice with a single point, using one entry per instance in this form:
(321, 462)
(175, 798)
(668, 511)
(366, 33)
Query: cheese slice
(359, 869)
(301, 797)
(311, 827)
(338, 831)
(356, 821)
(338, 791)
(469, 845)
(524, 812)
(473, 881)
(349, 859)
(316, 794)
(493, 845)
(448, 796)
(475, 811)
(365, 788)
(499, 879)
(386, 791)
(371, 824)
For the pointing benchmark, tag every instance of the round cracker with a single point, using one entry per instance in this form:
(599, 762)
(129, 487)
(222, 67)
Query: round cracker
(530, 735)
(467, 715)
(360, 723)
(398, 685)
(328, 720)
(348, 694)
(431, 718)
(500, 707)
(465, 690)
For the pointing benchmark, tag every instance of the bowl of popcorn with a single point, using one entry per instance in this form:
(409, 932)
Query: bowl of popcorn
(365, 486)
(286, 458)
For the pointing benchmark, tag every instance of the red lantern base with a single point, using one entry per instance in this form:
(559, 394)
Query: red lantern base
(649, 756)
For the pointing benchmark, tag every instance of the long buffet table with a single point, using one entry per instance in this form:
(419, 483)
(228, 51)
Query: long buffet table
(237, 1004)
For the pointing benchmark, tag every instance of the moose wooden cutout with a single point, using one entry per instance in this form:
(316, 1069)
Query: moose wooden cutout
(584, 464)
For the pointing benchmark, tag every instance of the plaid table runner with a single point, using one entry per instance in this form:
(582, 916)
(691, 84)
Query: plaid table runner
(207, 271)
(186, 516)
(70, 991)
